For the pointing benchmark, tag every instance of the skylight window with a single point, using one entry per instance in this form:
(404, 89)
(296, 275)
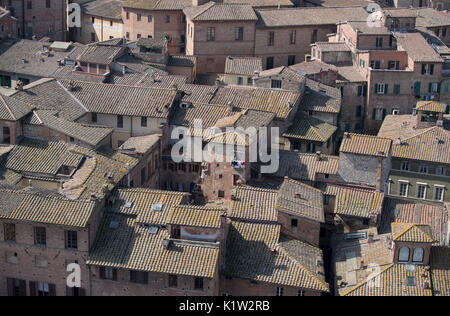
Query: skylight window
(157, 207)
(411, 281)
(114, 224)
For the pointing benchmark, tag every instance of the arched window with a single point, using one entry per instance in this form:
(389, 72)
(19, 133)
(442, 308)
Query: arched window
(418, 255)
(403, 254)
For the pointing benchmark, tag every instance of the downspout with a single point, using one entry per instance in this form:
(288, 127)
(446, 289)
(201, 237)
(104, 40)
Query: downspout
(23, 18)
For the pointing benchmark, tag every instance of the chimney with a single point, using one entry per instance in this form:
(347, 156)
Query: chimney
(167, 243)
(318, 155)
(71, 85)
(379, 169)
(196, 3)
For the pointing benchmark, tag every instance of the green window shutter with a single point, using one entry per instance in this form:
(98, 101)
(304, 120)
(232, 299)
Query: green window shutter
(374, 114)
(417, 87)
(446, 85)
(439, 87)
(376, 87)
(386, 86)
(377, 64)
(423, 68)
(430, 87)
(396, 89)
(447, 110)
(358, 111)
(384, 113)
(431, 69)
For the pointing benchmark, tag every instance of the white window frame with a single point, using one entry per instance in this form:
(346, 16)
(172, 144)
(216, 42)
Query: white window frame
(403, 182)
(280, 291)
(379, 114)
(379, 89)
(419, 185)
(439, 187)
(440, 171)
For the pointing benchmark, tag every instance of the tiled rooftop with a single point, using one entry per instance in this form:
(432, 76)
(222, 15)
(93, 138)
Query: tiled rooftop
(309, 16)
(196, 216)
(49, 94)
(393, 281)
(321, 98)
(415, 212)
(299, 199)
(283, 72)
(305, 167)
(440, 270)
(122, 99)
(310, 129)
(354, 201)
(220, 12)
(12, 109)
(90, 134)
(103, 8)
(45, 209)
(255, 252)
(437, 142)
(366, 145)
(134, 247)
(313, 67)
(252, 203)
(417, 47)
(332, 46)
(243, 65)
(407, 232)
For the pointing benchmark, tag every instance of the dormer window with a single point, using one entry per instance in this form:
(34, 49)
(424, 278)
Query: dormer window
(403, 254)
(418, 255)
(423, 169)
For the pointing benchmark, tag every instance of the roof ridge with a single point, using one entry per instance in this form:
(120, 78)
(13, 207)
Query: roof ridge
(208, 6)
(367, 280)
(408, 228)
(426, 130)
(7, 107)
(321, 283)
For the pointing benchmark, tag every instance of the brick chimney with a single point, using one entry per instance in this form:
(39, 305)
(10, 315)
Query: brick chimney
(196, 3)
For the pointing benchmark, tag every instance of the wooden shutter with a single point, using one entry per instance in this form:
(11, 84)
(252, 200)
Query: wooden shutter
(10, 284)
(423, 68)
(102, 273)
(33, 289)
(145, 277)
(386, 86)
(23, 288)
(439, 87)
(430, 87)
(376, 87)
(431, 69)
(51, 290)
